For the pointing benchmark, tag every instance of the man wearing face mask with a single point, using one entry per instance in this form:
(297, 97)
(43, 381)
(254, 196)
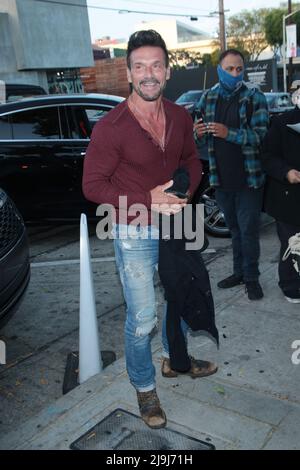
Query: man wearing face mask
(234, 123)
(281, 161)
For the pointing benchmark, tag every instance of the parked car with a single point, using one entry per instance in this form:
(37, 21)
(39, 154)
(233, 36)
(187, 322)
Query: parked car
(189, 100)
(18, 91)
(42, 146)
(14, 258)
(278, 102)
(214, 221)
(43, 141)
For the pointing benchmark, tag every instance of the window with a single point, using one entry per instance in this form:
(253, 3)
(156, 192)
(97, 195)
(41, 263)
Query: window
(94, 114)
(83, 118)
(5, 128)
(41, 123)
(278, 100)
(189, 96)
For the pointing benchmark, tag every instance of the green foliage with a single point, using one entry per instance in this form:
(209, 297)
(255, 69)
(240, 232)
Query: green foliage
(212, 59)
(215, 56)
(206, 59)
(180, 58)
(250, 32)
(273, 25)
(245, 32)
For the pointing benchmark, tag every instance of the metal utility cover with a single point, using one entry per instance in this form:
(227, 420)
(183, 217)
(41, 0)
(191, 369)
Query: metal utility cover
(122, 430)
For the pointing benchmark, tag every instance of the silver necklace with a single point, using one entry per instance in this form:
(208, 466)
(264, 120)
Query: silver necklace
(157, 138)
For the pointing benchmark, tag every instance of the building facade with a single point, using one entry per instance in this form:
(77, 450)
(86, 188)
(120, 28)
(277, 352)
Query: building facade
(45, 43)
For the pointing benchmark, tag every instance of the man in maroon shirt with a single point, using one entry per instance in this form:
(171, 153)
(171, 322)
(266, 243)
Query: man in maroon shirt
(133, 153)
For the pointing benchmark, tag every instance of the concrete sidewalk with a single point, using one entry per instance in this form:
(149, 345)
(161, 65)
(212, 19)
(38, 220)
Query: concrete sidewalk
(252, 402)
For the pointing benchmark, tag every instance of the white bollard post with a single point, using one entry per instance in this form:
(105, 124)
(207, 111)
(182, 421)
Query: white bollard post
(90, 362)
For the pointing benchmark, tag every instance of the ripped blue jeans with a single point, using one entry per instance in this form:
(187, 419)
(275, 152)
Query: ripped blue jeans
(136, 251)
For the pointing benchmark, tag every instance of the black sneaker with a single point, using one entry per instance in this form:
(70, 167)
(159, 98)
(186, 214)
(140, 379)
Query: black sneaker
(231, 281)
(292, 296)
(254, 290)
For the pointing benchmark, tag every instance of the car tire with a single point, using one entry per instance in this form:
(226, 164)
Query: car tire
(214, 222)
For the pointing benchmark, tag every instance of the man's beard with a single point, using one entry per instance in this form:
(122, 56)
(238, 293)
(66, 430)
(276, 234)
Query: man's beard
(145, 97)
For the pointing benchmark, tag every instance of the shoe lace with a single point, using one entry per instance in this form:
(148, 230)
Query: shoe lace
(293, 249)
(148, 399)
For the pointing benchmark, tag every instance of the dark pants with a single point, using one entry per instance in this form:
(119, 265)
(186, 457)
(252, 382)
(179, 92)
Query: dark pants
(242, 215)
(289, 279)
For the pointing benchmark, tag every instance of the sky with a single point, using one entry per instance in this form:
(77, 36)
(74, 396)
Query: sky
(116, 25)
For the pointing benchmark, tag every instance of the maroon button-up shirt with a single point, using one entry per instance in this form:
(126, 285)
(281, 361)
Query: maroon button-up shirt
(122, 158)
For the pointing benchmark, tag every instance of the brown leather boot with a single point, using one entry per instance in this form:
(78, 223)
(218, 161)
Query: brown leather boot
(198, 369)
(151, 412)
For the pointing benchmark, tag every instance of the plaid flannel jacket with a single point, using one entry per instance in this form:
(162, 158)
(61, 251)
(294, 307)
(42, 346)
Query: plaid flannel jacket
(250, 134)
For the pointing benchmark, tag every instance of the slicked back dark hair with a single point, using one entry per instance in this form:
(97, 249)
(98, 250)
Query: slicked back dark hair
(233, 52)
(146, 38)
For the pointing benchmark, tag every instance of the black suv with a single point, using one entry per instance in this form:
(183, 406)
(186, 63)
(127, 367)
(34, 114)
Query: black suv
(43, 141)
(14, 258)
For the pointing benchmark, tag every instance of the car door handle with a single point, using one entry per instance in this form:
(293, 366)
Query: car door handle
(82, 154)
(2, 156)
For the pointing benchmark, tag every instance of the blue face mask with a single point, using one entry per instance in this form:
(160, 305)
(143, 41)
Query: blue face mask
(229, 82)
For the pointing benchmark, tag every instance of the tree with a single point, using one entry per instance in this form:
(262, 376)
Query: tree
(215, 56)
(273, 26)
(180, 58)
(245, 32)
(212, 59)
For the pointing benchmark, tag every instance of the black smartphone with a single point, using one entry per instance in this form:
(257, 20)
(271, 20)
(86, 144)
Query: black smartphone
(176, 193)
(198, 115)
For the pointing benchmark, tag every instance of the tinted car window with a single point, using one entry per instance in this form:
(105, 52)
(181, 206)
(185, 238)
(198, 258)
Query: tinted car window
(5, 128)
(42, 123)
(189, 96)
(15, 92)
(83, 118)
(94, 114)
(278, 100)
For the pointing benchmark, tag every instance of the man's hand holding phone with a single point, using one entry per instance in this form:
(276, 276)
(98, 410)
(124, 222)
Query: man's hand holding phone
(166, 203)
(200, 127)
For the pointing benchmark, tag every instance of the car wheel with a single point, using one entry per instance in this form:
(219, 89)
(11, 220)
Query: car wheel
(214, 221)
